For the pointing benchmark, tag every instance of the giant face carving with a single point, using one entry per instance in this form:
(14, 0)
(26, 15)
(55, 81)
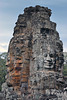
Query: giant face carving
(49, 53)
(49, 58)
(52, 52)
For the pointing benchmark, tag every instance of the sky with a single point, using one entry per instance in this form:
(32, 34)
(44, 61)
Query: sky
(10, 10)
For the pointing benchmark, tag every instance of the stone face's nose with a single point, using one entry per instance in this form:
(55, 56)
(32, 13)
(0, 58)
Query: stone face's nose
(48, 58)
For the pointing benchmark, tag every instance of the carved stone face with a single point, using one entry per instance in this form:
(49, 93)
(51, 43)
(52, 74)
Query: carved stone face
(49, 60)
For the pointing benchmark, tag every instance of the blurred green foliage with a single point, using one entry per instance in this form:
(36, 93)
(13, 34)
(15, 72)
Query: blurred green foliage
(3, 69)
(65, 70)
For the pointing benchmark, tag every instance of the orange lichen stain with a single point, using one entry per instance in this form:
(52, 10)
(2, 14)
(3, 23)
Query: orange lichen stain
(24, 80)
(24, 76)
(15, 77)
(19, 45)
(11, 81)
(16, 88)
(17, 72)
(22, 33)
(24, 72)
(19, 68)
(10, 69)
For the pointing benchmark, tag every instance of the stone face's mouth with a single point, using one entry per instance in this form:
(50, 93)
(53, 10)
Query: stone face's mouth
(48, 67)
(48, 64)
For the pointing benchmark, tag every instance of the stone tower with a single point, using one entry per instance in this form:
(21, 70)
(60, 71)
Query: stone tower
(35, 58)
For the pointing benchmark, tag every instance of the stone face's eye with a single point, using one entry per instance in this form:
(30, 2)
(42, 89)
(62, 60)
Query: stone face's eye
(51, 55)
(35, 82)
(45, 55)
